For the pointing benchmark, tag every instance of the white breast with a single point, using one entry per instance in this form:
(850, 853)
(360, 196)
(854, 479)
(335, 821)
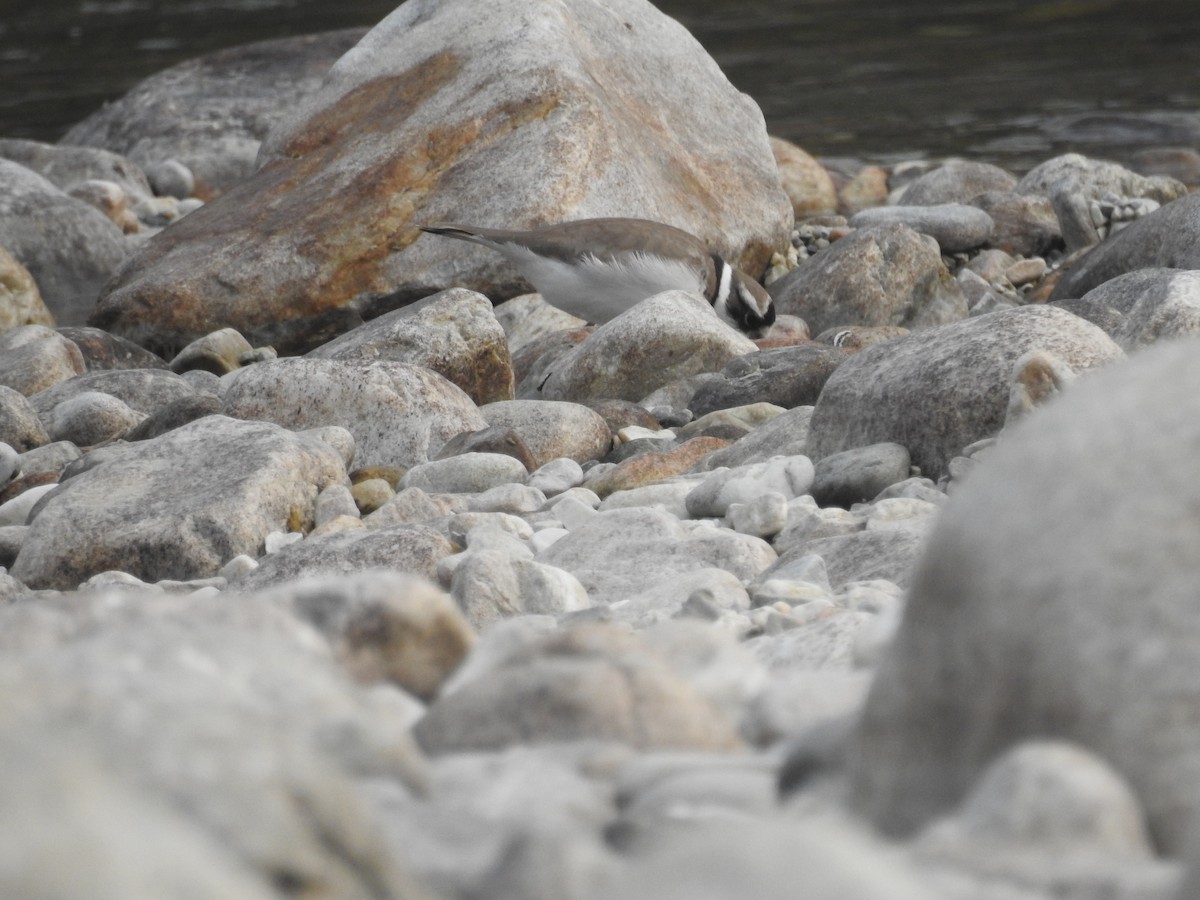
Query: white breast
(597, 290)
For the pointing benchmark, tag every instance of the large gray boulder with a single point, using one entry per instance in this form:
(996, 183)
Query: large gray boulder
(1056, 598)
(399, 414)
(882, 275)
(516, 113)
(212, 113)
(176, 507)
(938, 391)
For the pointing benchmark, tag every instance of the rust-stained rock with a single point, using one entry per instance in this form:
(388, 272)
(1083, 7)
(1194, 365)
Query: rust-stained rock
(517, 113)
(20, 301)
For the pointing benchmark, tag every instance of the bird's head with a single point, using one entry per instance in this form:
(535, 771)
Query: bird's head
(743, 302)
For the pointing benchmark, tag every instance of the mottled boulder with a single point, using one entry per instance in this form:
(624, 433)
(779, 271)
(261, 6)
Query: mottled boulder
(383, 625)
(34, 358)
(1169, 238)
(592, 682)
(1144, 306)
(858, 475)
(652, 546)
(1006, 637)
(69, 247)
(20, 426)
(518, 114)
(937, 391)
(20, 301)
(179, 506)
(957, 181)
(454, 333)
(860, 556)
(784, 376)
(102, 350)
(65, 166)
(210, 114)
(552, 429)
(884, 275)
(1076, 185)
(1073, 173)
(408, 549)
(664, 338)
(1022, 224)
(399, 414)
(144, 390)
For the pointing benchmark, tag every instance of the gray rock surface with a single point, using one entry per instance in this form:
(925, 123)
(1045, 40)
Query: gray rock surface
(651, 546)
(666, 337)
(856, 475)
(957, 181)
(783, 376)
(955, 226)
(399, 414)
(179, 506)
(1037, 624)
(938, 391)
(553, 429)
(1144, 306)
(146, 391)
(411, 549)
(69, 247)
(257, 741)
(591, 682)
(884, 275)
(453, 332)
(211, 113)
(34, 358)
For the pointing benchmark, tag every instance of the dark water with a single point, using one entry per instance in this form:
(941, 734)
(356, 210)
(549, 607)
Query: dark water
(1009, 82)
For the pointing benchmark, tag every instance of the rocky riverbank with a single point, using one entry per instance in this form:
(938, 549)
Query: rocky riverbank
(338, 565)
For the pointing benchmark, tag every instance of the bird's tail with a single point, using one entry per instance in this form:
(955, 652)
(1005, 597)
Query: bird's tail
(456, 231)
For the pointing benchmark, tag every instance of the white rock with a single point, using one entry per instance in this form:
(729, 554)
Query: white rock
(763, 516)
(277, 540)
(663, 601)
(16, 510)
(787, 475)
(556, 476)
(573, 511)
(619, 553)
(510, 498)
(669, 496)
(10, 463)
(545, 537)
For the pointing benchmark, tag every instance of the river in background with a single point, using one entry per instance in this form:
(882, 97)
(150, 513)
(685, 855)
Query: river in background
(1006, 82)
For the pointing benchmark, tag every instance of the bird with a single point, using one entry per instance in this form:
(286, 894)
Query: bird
(598, 268)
